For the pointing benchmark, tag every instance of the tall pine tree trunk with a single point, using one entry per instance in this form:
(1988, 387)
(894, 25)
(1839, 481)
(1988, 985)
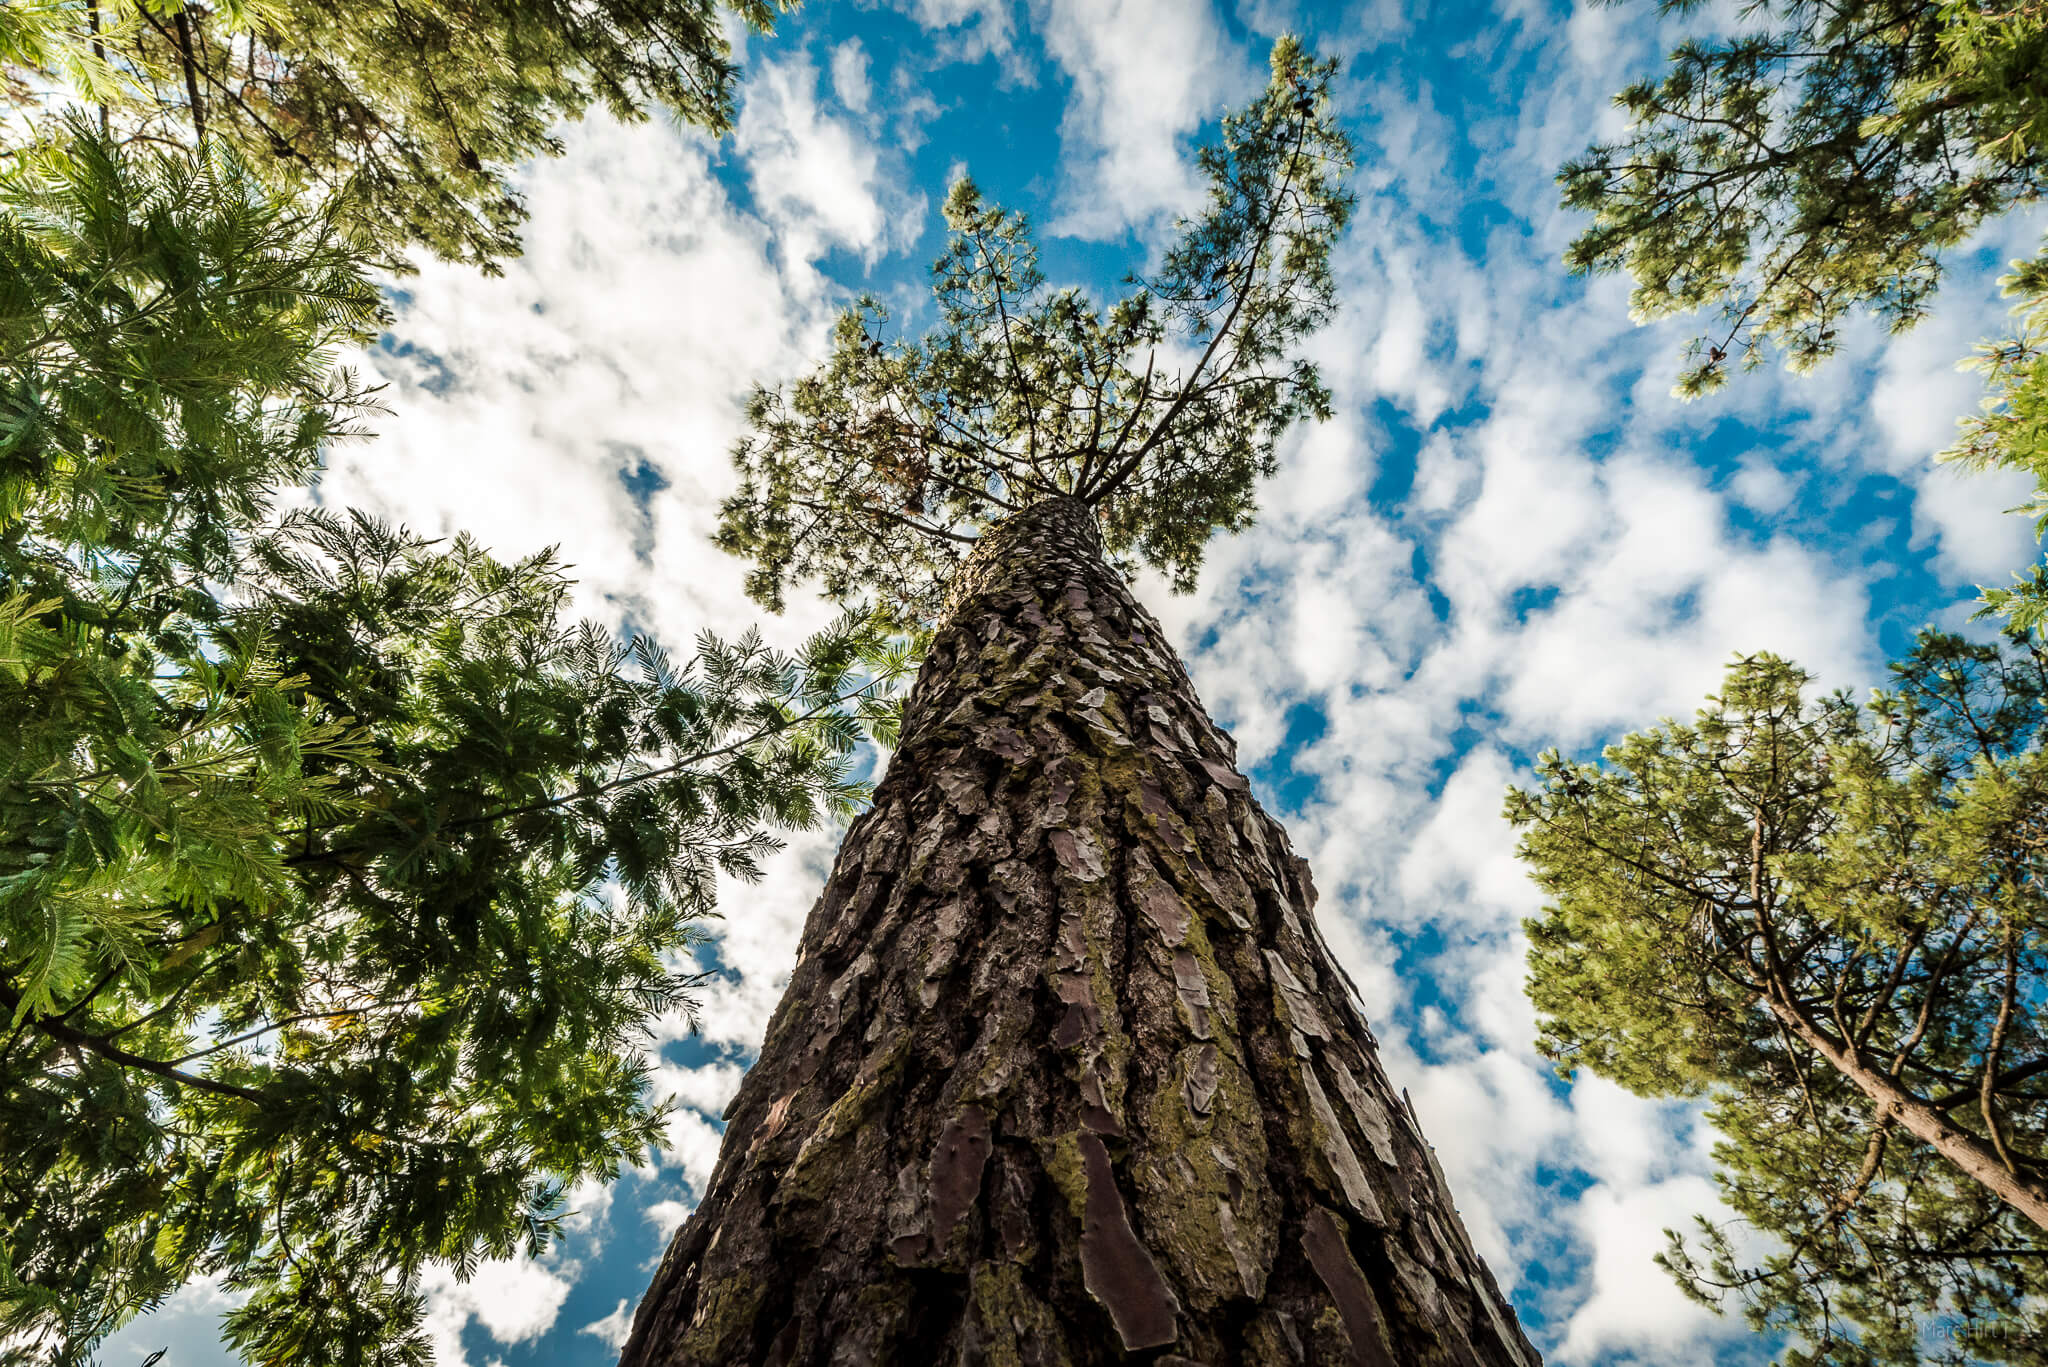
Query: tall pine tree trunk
(1065, 1074)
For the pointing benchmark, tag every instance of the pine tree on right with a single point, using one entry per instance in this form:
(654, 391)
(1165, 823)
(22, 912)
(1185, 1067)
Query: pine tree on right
(1828, 921)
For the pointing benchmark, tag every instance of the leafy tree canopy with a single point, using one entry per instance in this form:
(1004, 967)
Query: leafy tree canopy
(422, 109)
(339, 870)
(876, 473)
(1831, 922)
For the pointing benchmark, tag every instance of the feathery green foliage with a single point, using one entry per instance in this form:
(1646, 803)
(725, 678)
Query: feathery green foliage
(1753, 907)
(876, 473)
(130, 285)
(339, 871)
(421, 109)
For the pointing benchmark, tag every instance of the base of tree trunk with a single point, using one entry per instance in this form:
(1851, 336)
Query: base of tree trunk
(1065, 1074)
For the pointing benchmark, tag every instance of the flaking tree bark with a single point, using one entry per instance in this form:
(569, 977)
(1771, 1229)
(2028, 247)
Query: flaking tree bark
(1065, 1074)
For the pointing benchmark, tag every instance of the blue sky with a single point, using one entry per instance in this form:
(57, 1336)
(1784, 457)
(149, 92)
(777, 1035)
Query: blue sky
(1509, 537)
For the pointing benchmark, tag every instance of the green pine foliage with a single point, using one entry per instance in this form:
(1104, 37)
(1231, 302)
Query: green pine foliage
(421, 110)
(875, 474)
(1815, 165)
(2011, 431)
(340, 871)
(1820, 164)
(1790, 869)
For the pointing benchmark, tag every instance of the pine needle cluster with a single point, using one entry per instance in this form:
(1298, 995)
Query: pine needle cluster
(1822, 163)
(1816, 164)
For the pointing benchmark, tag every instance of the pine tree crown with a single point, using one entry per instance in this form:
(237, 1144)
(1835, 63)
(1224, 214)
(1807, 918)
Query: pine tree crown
(1160, 410)
(410, 116)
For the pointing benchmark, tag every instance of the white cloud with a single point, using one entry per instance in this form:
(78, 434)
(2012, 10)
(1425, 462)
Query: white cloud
(620, 344)
(515, 1300)
(691, 1146)
(850, 75)
(1632, 1305)
(817, 179)
(1965, 518)
(588, 1205)
(668, 1216)
(1460, 868)
(1146, 74)
(1492, 1118)
(614, 1329)
(1920, 393)
(757, 933)
(967, 30)
(1628, 1143)
(706, 1088)
(1920, 388)
(1762, 487)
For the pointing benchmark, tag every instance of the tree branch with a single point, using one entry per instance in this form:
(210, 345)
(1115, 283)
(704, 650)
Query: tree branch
(185, 54)
(1973, 1157)
(78, 1039)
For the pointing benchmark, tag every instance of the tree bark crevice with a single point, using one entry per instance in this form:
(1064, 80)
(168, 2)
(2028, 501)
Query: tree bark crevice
(1064, 1074)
